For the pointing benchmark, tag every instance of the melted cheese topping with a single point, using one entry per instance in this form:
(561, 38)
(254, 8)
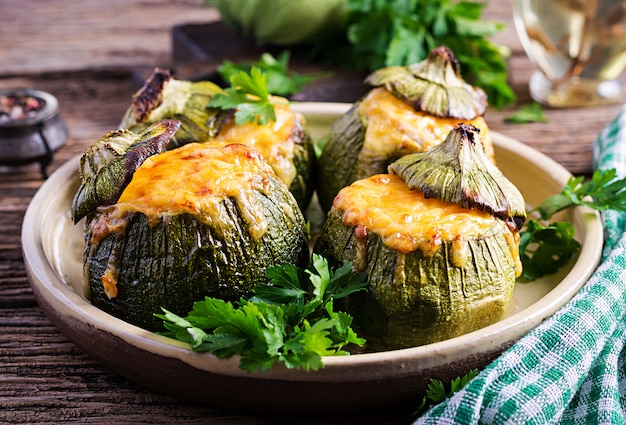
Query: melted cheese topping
(275, 141)
(406, 221)
(195, 179)
(395, 129)
(109, 280)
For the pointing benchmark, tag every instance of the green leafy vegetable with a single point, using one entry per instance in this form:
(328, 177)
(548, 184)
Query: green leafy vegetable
(545, 247)
(603, 192)
(532, 112)
(281, 80)
(402, 32)
(291, 319)
(250, 97)
(436, 391)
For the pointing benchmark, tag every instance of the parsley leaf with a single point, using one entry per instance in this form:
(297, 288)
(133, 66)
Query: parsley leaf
(281, 80)
(250, 97)
(603, 192)
(545, 247)
(436, 391)
(532, 112)
(291, 319)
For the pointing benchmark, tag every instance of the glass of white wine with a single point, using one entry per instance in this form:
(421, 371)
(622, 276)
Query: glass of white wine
(579, 47)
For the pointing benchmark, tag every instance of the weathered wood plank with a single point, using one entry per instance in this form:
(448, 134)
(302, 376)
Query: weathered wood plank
(43, 36)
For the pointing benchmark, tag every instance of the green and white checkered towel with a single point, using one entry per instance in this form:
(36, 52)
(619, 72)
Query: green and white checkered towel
(571, 369)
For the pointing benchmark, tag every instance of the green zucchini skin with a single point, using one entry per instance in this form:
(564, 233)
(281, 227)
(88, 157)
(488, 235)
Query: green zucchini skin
(337, 166)
(305, 163)
(415, 299)
(182, 259)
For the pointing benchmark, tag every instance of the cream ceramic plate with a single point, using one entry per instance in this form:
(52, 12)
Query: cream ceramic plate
(53, 251)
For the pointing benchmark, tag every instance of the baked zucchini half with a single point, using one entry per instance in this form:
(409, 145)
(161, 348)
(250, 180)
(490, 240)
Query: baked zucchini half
(199, 220)
(438, 238)
(285, 143)
(409, 110)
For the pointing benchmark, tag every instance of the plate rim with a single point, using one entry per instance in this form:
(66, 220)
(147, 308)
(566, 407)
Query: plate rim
(404, 361)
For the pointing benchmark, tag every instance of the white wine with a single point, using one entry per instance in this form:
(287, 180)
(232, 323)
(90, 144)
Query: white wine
(574, 39)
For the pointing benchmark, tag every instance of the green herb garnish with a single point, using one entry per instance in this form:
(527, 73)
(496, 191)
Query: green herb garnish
(436, 392)
(403, 32)
(290, 320)
(532, 112)
(281, 80)
(545, 247)
(248, 94)
(603, 192)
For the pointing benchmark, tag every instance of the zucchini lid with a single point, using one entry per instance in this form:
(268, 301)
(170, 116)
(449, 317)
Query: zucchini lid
(107, 166)
(434, 86)
(459, 172)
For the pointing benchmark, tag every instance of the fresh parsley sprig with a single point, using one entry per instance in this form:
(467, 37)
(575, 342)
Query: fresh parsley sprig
(436, 392)
(545, 246)
(281, 80)
(248, 94)
(291, 319)
(602, 192)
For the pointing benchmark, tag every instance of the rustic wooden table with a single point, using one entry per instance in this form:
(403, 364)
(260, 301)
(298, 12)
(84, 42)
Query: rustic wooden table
(87, 55)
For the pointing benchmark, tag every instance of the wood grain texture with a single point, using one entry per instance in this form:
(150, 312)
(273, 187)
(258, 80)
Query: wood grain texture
(86, 53)
(40, 36)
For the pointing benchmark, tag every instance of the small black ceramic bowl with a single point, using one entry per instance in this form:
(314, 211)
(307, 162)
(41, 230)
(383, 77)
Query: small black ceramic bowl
(31, 129)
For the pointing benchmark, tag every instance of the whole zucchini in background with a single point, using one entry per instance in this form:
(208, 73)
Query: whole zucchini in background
(199, 220)
(410, 110)
(282, 22)
(438, 239)
(285, 144)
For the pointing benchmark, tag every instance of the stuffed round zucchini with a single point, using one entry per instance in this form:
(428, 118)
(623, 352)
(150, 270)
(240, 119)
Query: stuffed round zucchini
(438, 239)
(199, 220)
(284, 143)
(410, 110)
